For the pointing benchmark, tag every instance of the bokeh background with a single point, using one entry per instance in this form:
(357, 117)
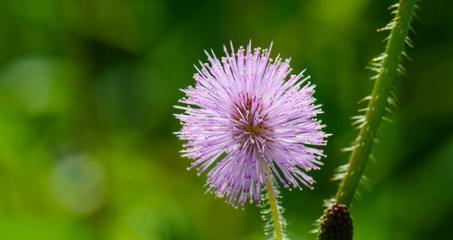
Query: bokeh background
(87, 90)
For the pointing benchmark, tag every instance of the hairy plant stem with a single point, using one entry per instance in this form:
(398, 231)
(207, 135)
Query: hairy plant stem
(379, 100)
(275, 212)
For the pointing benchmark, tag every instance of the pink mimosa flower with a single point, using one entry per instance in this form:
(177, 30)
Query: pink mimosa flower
(247, 119)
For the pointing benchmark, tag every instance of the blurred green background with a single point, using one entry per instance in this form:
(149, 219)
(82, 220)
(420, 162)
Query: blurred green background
(86, 95)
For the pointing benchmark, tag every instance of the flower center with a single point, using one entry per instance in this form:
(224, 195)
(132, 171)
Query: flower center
(250, 128)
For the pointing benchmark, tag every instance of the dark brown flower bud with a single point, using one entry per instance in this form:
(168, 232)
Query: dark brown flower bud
(335, 224)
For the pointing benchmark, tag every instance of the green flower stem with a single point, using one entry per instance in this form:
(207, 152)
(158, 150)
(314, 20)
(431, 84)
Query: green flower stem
(379, 100)
(276, 218)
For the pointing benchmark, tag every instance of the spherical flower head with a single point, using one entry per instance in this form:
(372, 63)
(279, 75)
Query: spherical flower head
(248, 123)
